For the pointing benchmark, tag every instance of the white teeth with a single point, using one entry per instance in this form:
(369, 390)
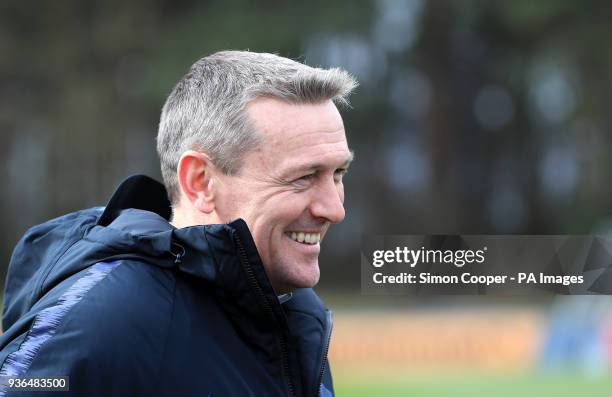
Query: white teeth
(306, 238)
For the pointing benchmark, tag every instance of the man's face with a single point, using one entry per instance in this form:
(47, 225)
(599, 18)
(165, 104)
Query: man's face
(289, 190)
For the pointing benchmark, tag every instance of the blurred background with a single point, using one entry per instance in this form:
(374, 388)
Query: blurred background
(473, 117)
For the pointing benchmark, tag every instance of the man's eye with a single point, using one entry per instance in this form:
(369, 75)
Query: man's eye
(305, 178)
(339, 173)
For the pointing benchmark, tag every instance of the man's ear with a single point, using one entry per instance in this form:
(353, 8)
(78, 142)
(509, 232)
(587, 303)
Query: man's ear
(195, 176)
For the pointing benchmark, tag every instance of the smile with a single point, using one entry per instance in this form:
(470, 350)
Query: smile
(305, 238)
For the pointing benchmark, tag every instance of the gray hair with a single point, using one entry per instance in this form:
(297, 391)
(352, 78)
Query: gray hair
(206, 110)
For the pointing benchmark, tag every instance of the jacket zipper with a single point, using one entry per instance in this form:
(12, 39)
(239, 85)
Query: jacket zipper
(328, 330)
(283, 342)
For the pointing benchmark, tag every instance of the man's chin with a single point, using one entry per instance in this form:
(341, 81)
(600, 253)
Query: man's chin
(307, 278)
(309, 283)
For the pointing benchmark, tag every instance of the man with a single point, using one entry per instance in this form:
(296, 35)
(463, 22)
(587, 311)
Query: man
(208, 293)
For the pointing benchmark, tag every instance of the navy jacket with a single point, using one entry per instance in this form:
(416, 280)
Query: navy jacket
(127, 305)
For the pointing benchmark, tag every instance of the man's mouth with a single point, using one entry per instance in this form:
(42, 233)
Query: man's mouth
(305, 238)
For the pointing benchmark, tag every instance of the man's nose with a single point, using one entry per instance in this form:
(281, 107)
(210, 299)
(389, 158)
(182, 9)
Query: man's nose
(328, 202)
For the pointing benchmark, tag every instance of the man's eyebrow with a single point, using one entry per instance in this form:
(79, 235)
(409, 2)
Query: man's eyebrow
(320, 166)
(349, 159)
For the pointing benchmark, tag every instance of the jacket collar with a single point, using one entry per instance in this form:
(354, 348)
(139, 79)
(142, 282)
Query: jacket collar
(136, 222)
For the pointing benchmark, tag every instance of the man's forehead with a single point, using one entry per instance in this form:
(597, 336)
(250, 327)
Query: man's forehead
(278, 121)
(298, 137)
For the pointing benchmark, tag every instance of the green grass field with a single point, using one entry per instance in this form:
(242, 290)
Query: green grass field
(474, 386)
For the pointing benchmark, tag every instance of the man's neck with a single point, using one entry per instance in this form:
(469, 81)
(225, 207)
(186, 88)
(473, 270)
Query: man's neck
(184, 217)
